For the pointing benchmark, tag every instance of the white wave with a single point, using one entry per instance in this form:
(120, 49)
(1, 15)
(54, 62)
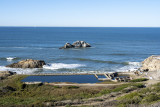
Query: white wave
(18, 70)
(55, 66)
(157, 58)
(135, 63)
(10, 58)
(131, 67)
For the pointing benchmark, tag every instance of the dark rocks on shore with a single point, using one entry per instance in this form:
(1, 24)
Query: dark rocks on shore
(28, 63)
(5, 74)
(77, 44)
(4, 90)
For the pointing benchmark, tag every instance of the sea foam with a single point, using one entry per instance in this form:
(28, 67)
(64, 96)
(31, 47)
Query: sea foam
(131, 67)
(10, 58)
(134, 63)
(19, 70)
(55, 66)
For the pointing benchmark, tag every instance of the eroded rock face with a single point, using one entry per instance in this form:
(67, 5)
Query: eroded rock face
(28, 63)
(77, 44)
(152, 63)
(155, 75)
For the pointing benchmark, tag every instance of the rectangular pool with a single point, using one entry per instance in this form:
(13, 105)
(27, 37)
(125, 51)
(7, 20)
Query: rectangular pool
(63, 78)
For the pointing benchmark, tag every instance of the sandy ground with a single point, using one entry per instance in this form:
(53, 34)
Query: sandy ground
(82, 85)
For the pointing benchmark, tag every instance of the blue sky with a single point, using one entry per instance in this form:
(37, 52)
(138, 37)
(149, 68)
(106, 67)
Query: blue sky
(80, 13)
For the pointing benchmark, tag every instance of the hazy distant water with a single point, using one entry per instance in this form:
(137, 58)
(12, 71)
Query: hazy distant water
(113, 49)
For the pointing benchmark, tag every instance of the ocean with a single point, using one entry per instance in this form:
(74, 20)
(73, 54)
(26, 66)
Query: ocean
(114, 49)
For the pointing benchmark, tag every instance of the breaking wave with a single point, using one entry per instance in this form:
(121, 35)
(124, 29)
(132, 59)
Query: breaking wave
(55, 66)
(132, 66)
(72, 68)
(10, 58)
(19, 70)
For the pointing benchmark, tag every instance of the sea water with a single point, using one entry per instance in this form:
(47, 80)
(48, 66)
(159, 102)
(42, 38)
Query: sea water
(113, 49)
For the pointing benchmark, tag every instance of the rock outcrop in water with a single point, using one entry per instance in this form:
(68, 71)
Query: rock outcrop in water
(152, 63)
(77, 44)
(28, 63)
(67, 45)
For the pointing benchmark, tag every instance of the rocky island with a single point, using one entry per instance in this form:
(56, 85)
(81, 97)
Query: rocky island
(77, 44)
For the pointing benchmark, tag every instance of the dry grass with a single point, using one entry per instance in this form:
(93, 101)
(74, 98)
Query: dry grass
(39, 94)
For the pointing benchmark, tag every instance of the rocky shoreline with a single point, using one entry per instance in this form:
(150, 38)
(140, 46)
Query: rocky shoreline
(106, 93)
(149, 69)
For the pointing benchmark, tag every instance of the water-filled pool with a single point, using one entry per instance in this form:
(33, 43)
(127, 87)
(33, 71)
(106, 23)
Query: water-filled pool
(63, 78)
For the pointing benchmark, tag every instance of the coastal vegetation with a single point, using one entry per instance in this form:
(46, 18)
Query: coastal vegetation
(139, 91)
(13, 92)
(139, 80)
(148, 95)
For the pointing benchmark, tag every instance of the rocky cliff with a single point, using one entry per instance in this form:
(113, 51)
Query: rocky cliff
(152, 63)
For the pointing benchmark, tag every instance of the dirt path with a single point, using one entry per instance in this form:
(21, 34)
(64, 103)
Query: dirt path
(83, 85)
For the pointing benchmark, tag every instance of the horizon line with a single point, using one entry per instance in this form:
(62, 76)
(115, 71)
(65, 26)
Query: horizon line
(89, 26)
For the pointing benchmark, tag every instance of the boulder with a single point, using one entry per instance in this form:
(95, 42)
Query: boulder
(67, 45)
(5, 74)
(77, 44)
(152, 63)
(28, 63)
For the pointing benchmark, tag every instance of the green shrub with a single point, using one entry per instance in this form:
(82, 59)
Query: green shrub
(98, 100)
(132, 98)
(72, 87)
(129, 89)
(128, 96)
(150, 98)
(139, 85)
(120, 87)
(139, 80)
(56, 86)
